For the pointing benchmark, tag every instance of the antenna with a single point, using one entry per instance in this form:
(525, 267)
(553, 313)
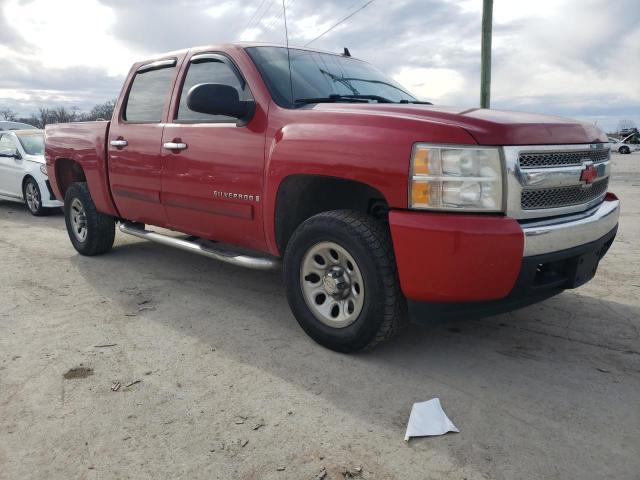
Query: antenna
(286, 32)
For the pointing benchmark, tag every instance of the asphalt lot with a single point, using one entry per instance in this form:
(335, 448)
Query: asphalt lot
(230, 386)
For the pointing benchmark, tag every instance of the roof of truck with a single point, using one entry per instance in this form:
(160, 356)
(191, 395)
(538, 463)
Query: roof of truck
(293, 47)
(222, 46)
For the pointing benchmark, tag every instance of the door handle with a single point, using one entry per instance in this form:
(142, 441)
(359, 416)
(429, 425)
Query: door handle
(174, 146)
(118, 143)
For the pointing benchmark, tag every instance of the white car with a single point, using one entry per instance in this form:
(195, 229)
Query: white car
(621, 147)
(23, 174)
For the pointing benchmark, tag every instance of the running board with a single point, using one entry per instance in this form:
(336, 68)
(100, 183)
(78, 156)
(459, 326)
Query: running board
(242, 260)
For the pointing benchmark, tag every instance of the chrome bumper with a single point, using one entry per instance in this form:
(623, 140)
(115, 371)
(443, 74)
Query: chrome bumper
(552, 235)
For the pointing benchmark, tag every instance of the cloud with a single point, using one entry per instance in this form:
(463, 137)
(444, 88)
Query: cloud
(431, 82)
(566, 57)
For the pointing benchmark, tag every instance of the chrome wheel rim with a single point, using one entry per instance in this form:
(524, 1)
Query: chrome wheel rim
(78, 220)
(32, 197)
(332, 284)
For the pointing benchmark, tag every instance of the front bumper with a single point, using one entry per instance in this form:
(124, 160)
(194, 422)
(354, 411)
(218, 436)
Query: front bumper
(48, 198)
(458, 258)
(541, 277)
(550, 235)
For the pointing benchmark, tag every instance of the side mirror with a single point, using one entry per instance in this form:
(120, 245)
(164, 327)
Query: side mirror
(14, 154)
(218, 99)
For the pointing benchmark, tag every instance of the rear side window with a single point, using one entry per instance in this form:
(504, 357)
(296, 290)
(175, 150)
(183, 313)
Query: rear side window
(148, 94)
(209, 71)
(7, 147)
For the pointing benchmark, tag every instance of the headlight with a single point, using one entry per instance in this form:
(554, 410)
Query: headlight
(456, 178)
(43, 169)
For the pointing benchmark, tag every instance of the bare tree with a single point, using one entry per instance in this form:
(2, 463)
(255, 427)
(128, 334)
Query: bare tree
(8, 114)
(44, 116)
(103, 111)
(626, 124)
(64, 115)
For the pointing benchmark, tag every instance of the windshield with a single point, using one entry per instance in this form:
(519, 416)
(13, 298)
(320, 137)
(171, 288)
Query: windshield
(32, 144)
(318, 75)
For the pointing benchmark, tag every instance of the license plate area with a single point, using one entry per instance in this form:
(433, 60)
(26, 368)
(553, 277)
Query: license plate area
(584, 269)
(567, 273)
(570, 272)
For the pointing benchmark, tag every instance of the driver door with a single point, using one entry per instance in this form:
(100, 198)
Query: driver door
(11, 169)
(212, 184)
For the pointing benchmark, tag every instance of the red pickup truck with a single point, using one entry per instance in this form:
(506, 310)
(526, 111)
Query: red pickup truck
(382, 207)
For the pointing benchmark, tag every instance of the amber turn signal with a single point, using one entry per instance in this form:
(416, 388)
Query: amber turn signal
(420, 193)
(421, 162)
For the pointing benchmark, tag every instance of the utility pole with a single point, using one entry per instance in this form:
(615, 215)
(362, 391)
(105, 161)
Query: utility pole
(485, 67)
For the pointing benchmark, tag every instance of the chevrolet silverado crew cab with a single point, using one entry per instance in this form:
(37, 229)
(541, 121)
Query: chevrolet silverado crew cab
(380, 206)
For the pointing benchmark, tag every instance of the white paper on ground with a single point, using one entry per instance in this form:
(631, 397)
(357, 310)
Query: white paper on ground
(427, 419)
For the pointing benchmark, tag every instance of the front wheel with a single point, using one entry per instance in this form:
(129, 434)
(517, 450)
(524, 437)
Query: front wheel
(90, 232)
(625, 150)
(341, 280)
(33, 198)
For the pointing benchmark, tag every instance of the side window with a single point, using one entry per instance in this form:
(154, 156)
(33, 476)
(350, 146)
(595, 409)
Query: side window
(7, 147)
(209, 71)
(148, 93)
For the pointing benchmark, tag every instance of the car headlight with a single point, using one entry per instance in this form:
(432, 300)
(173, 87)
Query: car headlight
(455, 178)
(43, 169)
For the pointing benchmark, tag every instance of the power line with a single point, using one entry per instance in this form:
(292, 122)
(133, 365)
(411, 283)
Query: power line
(273, 23)
(257, 22)
(254, 14)
(341, 21)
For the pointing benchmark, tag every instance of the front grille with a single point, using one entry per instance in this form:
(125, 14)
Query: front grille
(562, 196)
(558, 159)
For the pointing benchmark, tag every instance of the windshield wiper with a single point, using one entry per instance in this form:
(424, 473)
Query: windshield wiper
(336, 97)
(418, 102)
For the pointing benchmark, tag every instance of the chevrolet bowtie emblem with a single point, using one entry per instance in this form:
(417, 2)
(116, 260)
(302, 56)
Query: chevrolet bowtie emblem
(589, 174)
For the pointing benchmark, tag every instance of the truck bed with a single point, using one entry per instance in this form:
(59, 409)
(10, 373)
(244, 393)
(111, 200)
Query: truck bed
(84, 143)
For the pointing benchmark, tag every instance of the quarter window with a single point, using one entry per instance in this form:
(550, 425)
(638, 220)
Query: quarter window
(209, 71)
(147, 95)
(7, 147)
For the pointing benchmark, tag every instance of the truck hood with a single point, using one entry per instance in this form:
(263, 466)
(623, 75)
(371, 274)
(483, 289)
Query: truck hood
(488, 127)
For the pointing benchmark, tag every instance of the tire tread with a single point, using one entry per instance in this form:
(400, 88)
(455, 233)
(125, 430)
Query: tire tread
(101, 227)
(375, 236)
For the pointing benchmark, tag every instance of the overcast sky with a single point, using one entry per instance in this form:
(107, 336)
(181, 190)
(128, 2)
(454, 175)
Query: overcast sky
(578, 58)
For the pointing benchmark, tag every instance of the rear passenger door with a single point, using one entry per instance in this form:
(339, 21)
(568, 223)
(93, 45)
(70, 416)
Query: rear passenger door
(212, 186)
(134, 145)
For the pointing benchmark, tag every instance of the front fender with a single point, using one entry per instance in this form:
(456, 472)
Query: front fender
(370, 149)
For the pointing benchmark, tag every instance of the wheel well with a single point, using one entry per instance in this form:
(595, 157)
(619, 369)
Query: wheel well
(68, 172)
(24, 180)
(303, 196)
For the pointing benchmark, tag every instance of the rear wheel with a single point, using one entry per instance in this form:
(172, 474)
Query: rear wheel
(624, 150)
(90, 232)
(33, 198)
(341, 280)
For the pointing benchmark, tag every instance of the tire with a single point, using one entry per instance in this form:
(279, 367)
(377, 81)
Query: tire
(90, 232)
(363, 247)
(624, 150)
(33, 198)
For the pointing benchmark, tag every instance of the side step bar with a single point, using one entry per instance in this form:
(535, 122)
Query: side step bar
(242, 260)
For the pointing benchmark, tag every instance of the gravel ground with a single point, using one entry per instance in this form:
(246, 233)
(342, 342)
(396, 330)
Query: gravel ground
(230, 387)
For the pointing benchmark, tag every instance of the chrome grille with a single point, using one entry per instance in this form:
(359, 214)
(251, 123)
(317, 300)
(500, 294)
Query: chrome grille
(535, 199)
(558, 159)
